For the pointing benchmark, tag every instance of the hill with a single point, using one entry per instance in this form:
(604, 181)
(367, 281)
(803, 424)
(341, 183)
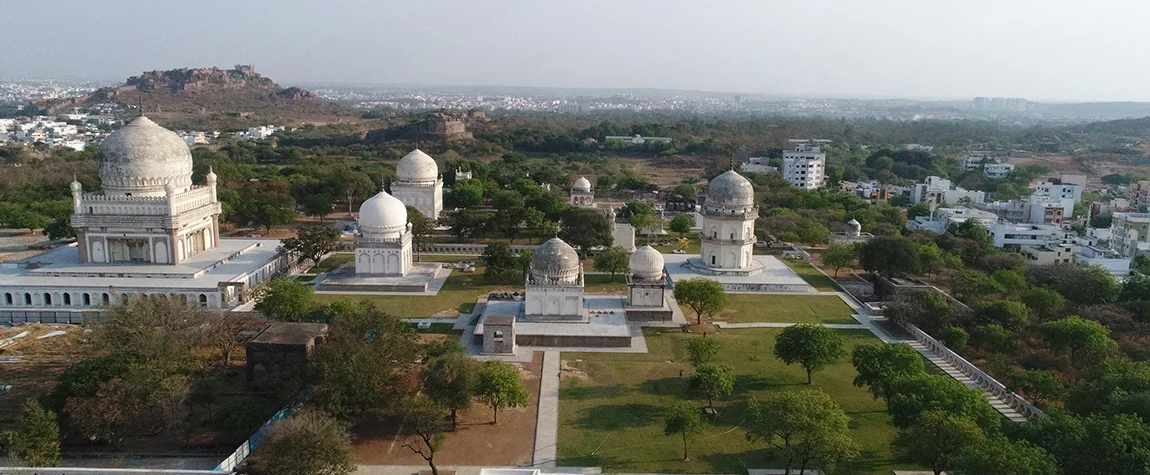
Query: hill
(211, 98)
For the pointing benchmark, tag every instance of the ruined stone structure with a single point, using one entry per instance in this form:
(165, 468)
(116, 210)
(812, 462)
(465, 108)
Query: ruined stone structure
(446, 126)
(281, 350)
(499, 335)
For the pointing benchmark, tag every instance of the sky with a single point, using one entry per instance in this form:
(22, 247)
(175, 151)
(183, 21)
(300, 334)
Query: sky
(1051, 50)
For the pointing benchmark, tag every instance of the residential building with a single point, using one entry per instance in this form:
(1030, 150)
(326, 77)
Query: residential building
(1011, 236)
(944, 217)
(997, 170)
(1048, 253)
(758, 165)
(1139, 193)
(1130, 233)
(1079, 180)
(1056, 188)
(805, 166)
(1034, 209)
(975, 160)
(636, 139)
(941, 191)
(1108, 259)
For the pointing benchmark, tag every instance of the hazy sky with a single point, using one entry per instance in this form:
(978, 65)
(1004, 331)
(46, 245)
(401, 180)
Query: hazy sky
(1046, 50)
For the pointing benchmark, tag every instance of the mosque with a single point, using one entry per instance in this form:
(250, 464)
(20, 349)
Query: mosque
(149, 231)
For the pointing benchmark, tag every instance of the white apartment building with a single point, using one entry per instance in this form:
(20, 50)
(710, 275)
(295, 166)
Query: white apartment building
(1059, 189)
(944, 217)
(997, 170)
(1034, 209)
(941, 191)
(1013, 236)
(975, 160)
(805, 166)
(1130, 233)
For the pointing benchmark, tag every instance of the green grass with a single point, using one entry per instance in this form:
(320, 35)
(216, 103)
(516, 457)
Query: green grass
(602, 284)
(693, 245)
(613, 417)
(332, 262)
(808, 272)
(458, 295)
(780, 308)
(440, 328)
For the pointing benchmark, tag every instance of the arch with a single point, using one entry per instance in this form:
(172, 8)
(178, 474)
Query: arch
(732, 236)
(393, 263)
(67, 299)
(498, 335)
(377, 264)
(203, 299)
(106, 299)
(123, 298)
(97, 254)
(8, 298)
(87, 299)
(27, 298)
(160, 254)
(712, 259)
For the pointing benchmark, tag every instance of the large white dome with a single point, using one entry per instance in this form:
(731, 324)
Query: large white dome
(382, 214)
(143, 158)
(555, 260)
(730, 190)
(417, 167)
(646, 263)
(582, 184)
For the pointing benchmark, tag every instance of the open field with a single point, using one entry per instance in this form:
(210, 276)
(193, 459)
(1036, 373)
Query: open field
(782, 308)
(610, 406)
(808, 272)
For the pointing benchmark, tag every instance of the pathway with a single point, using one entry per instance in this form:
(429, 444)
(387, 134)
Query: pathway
(547, 422)
(836, 326)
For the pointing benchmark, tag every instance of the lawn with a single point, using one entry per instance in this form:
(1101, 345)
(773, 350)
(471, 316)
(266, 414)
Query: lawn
(332, 262)
(610, 414)
(808, 272)
(602, 284)
(457, 296)
(693, 245)
(781, 308)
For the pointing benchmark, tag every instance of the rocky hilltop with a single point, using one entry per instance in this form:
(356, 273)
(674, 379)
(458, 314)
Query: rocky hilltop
(210, 98)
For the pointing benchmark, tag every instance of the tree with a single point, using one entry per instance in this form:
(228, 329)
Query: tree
(641, 222)
(500, 387)
(912, 395)
(318, 205)
(498, 259)
(878, 365)
(839, 255)
(467, 193)
(309, 442)
(938, 439)
(682, 224)
(585, 229)
(36, 440)
(109, 415)
(363, 362)
(161, 336)
(286, 299)
(701, 349)
(226, 331)
(1136, 287)
(265, 205)
(613, 259)
(805, 426)
(703, 296)
(60, 228)
(1041, 387)
(1000, 456)
(451, 381)
(1090, 444)
(510, 212)
(468, 223)
(423, 418)
(1043, 301)
(30, 220)
(312, 242)
(954, 337)
(1083, 285)
(1011, 315)
(891, 256)
(524, 260)
(683, 419)
(351, 184)
(422, 231)
(712, 381)
(811, 346)
(1077, 334)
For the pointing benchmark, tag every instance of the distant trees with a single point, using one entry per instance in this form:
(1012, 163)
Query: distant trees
(498, 259)
(286, 299)
(683, 419)
(811, 346)
(682, 224)
(703, 296)
(613, 259)
(1077, 335)
(312, 242)
(891, 256)
(585, 229)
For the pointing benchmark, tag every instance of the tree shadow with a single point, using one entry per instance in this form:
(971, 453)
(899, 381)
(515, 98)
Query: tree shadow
(619, 416)
(578, 392)
(736, 462)
(673, 386)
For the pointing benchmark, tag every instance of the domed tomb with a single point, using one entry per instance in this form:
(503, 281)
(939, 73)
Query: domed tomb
(582, 184)
(142, 158)
(382, 215)
(581, 194)
(417, 167)
(646, 263)
(555, 261)
(730, 190)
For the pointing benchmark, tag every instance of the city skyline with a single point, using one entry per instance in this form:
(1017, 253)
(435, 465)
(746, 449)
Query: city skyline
(1045, 51)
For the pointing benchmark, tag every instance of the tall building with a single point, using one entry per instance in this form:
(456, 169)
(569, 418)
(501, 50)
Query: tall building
(727, 222)
(418, 183)
(805, 166)
(383, 244)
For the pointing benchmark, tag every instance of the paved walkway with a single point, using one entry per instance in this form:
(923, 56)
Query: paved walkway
(547, 422)
(998, 404)
(837, 326)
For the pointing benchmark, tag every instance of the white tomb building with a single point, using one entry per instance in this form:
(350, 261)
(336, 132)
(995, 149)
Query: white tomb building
(150, 231)
(646, 279)
(581, 193)
(727, 223)
(622, 234)
(554, 287)
(383, 244)
(418, 183)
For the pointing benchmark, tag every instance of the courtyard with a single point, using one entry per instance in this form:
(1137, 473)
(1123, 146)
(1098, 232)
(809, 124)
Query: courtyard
(782, 308)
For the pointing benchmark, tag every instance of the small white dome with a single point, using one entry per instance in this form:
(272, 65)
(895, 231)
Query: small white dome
(555, 260)
(646, 263)
(417, 167)
(142, 158)
(582, 184)
(730, 190)
(382, 214)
